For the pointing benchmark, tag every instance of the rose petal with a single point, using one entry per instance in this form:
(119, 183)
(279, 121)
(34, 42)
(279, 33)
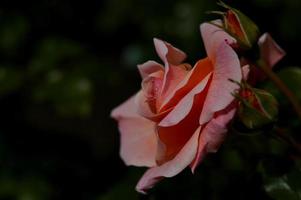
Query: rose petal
(169, 53)
(174, 72)
(213, 37)
(151, 87)
(174, 137)
(145, 110)
(126, 109)
(172, 167)
(212, 136)
(184, 106)
(138, 137)
(227, 66)
(270, 51)
(201, 69)
(149, 67)
(172, 77)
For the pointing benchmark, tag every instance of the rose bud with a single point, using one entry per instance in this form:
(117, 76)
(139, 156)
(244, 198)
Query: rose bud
(241, 27)
(257, 108)
(248, 42)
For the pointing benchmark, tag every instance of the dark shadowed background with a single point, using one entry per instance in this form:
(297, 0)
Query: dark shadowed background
(63, 67)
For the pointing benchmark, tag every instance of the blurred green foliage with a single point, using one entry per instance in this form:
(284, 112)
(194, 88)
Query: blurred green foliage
(64, 65)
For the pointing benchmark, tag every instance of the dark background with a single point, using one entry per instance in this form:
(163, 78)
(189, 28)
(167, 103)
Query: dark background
(64, 65)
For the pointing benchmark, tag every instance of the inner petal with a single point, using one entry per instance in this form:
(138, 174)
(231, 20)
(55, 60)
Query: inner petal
(173, 138)
(199, 72)
(172, 77)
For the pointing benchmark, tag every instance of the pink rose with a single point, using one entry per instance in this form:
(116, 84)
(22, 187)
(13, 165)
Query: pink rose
(181, 113)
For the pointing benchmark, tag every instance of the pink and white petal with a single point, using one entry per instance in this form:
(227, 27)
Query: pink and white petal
(213, 37)
(172, 167)
(149, 67)
(212, 136)
(227, 66)
(270, 51)
(184, 106)
(169, 53)
(138, 137)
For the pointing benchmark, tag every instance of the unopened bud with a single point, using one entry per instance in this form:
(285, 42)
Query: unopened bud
(257, 108)
(241, 27)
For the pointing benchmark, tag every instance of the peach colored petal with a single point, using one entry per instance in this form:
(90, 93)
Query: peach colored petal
(169, 53)
(126, 109)
(201, 69)
(212, 136)
(172, 167)
(151, 86)
(138, 145)
(184, 106)
(174, 71)
(149, 67)
(227, 66)
(173, 138)
(138, 137)
(172, 77)
(213, 37)
(270, 51)
(145, 110)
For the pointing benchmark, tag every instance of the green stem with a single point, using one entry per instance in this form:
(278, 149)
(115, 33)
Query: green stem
(281, 86)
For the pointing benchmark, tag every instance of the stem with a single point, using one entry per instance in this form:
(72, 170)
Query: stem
(282, 87)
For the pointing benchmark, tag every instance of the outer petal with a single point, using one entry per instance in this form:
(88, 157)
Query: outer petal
(172, 167)
(212, 136)
(270, 51)
(149, 67)
(213, 37)
(227, 66)
(138, 136)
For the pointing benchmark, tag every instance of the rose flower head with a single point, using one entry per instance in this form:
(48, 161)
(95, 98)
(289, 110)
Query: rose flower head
(180, 113)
